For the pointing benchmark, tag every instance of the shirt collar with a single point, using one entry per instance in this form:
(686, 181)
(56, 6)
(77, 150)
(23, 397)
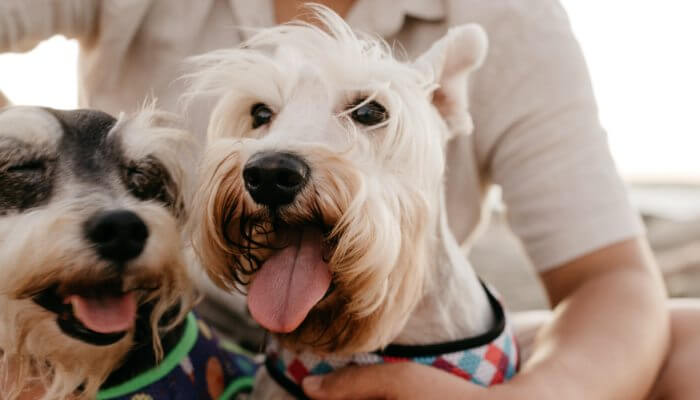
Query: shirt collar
(387, 17)
(382, 17)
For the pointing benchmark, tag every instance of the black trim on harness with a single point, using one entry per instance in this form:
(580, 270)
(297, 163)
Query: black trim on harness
(411, 351)
(405, 351)
(290, 386)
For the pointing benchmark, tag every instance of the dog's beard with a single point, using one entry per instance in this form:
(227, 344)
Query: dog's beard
(62, 350)
(46, 359)
(334, 271)
(283, 251)
(293, 275)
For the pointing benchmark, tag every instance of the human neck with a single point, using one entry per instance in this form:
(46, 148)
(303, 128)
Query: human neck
(287, 10)
(455, 305)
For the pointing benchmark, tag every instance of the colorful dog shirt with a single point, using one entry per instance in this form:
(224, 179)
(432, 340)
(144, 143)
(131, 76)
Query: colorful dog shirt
(486, 360)
(198, 367)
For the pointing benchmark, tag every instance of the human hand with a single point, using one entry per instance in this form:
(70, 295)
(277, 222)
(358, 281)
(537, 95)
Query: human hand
(405, 380)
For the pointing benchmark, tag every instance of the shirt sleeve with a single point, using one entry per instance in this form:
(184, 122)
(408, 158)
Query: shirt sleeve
(24, 23)
(539, 137)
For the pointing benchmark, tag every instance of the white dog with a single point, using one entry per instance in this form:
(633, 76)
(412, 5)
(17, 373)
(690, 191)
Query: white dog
(322, 196)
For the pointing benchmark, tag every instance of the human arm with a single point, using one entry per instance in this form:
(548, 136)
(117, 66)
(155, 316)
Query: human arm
(607, 339)
(610, 330)
(24, 23)
(567, 204)
(538, 136)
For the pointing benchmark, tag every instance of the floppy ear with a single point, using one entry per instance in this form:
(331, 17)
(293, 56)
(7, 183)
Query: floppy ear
(450, 61)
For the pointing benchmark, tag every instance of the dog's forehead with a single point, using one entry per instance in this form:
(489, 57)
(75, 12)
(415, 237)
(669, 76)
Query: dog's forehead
(31, 125)
(89, 127)
(84, 131)
(85, 147)
(330, 74)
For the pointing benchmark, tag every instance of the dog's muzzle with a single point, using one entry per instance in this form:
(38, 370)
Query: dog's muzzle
(101, 312)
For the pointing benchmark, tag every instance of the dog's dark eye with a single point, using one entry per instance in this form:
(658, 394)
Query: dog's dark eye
(28, 167)
(147, 180)
(371, 113)
(142, 185)
(25, 184)
(261, 115)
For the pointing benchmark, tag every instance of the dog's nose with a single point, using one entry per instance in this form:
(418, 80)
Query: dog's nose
(274, 179)
(118, 235)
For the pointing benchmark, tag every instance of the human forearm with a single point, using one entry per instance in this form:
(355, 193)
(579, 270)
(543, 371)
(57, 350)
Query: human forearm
(24, 23)
(607, 339)
(609, 333)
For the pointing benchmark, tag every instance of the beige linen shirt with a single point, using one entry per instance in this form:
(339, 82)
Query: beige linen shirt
(537, 130)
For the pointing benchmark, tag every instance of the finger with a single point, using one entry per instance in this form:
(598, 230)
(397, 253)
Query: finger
(369, 382)
(384, 381)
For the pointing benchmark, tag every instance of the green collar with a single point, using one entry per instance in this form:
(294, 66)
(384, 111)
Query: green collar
(172, 360)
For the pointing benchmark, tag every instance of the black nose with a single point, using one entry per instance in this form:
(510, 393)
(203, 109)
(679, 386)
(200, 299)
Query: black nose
(118, 235)
(274, 179)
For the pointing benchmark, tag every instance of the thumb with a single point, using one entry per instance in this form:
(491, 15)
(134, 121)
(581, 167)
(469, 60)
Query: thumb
(404, 380)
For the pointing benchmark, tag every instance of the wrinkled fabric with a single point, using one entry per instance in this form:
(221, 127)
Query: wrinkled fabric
(199, 367)
(537, 130)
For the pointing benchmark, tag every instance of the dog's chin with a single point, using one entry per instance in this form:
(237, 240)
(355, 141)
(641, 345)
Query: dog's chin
(330, 329)
(99, 314)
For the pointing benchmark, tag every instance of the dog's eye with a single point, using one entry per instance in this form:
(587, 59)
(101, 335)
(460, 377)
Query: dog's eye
(261, 115)
(141, 184)
(25, 184)
(371, 113)
(28, 167)
(148, 181)
(145, 185)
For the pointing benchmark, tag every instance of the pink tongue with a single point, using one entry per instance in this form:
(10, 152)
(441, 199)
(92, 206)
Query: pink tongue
(290, 283)
(105, 315)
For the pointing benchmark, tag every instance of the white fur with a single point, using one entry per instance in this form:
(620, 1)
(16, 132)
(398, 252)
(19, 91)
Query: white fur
(381, 188)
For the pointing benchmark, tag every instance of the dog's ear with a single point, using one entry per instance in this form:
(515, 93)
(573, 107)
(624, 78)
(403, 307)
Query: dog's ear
(450, 61)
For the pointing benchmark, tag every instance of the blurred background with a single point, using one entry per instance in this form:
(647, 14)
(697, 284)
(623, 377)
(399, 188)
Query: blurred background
(645, 66)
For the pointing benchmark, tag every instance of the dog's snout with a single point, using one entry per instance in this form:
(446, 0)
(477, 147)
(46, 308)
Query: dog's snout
(118, 235)
(274, 179)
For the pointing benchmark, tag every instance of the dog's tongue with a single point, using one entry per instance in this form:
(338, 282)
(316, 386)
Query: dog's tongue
(290, 283)
(107, 314)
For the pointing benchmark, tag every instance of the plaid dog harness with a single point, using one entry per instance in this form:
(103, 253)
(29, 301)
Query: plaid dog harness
(198, 367)
(487, 359)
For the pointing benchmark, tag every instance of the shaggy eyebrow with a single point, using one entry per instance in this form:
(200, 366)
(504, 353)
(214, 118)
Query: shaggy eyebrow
(12, 149)
(9, 142)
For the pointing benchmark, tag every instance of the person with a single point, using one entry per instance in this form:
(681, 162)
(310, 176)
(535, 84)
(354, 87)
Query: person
(612, 333)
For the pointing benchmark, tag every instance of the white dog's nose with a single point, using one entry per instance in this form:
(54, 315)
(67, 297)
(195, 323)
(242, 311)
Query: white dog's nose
(274, 179)
(118, 235)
